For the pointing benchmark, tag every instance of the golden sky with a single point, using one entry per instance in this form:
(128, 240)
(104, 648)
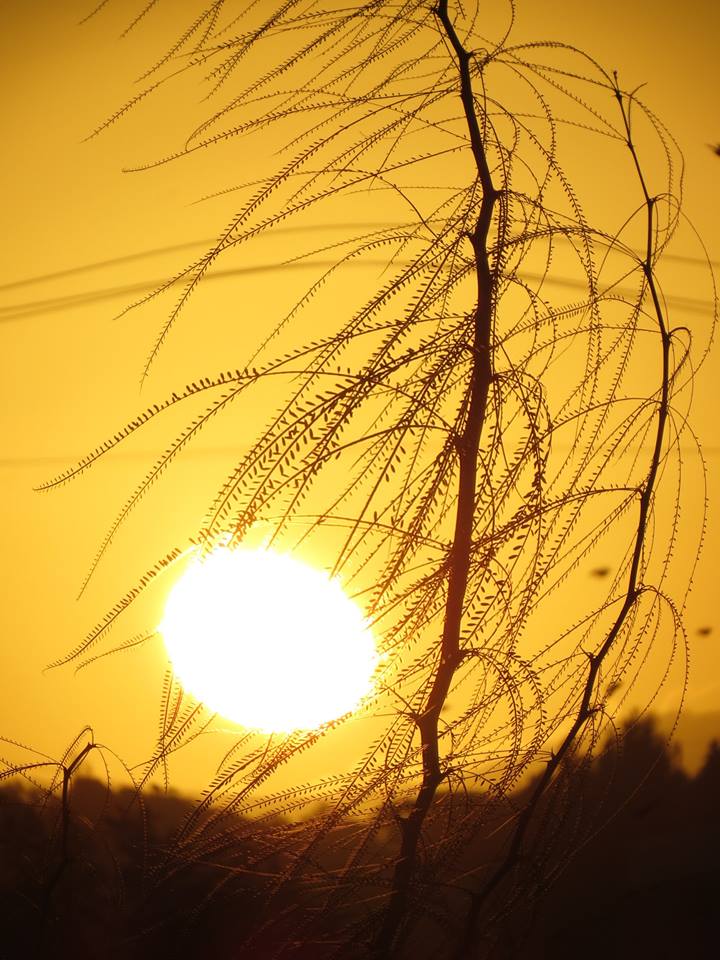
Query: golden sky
(80, 235)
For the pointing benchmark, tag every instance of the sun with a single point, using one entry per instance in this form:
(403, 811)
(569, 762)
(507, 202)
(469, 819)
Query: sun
(267, 641)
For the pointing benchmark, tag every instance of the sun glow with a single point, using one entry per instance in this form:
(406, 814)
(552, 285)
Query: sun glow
(267, 641)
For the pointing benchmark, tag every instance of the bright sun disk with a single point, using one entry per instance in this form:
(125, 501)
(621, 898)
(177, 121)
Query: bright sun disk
(267, 641)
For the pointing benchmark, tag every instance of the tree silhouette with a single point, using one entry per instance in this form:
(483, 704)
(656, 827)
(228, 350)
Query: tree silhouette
(642, 879)
(465, 446)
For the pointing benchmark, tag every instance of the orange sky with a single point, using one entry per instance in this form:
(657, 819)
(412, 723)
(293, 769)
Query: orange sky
(76, 228)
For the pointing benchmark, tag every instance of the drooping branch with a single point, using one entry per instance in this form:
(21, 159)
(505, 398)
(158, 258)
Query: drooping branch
(633, 590)
(460, 551)
(418, 445)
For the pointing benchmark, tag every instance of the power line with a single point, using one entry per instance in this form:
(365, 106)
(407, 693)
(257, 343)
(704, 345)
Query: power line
(98, 265)
(21, 311)
(196, 244)
(175, 248)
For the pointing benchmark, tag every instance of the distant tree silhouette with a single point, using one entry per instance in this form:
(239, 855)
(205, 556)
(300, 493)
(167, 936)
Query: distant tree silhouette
(463, 446)
(640, 883)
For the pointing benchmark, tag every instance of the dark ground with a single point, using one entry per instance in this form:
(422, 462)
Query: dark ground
(642, 882)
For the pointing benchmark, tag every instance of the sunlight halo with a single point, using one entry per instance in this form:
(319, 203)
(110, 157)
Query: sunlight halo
(267, 641)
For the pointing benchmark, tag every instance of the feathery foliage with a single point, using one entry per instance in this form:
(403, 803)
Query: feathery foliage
(460, 446)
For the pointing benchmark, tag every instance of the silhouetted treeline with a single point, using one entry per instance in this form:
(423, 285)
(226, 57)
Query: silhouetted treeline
(643, 881)
(623, 863)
